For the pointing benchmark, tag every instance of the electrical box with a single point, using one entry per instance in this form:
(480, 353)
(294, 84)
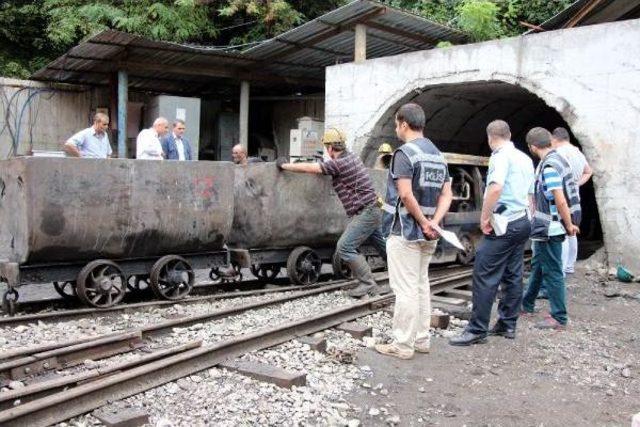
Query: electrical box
(305, 142)
(177, 107)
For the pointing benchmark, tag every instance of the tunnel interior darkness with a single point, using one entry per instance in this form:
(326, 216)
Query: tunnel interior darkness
(457, 116)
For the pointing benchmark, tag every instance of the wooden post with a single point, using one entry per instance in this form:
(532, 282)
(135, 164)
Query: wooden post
(360, 50)
(244, 114)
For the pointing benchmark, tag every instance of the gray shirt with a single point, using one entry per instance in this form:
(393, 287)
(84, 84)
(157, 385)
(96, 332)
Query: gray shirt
(575, 158)
(91, 145)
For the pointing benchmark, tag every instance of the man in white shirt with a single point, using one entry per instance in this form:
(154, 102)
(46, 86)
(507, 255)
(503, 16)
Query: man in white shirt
(581, 171)
(93, 142)
(148, 146)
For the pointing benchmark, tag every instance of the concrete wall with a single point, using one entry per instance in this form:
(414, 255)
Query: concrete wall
(588, 75)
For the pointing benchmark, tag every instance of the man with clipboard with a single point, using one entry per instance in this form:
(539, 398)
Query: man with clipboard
(506, 227)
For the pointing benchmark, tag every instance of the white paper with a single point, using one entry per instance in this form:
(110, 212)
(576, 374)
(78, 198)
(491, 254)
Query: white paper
(450, 237)
(499, 224)
(181, 114)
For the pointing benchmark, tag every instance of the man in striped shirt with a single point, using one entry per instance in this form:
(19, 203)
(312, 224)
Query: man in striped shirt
(552, 220)
(354, 187)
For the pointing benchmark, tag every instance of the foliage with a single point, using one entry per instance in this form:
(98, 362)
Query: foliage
(479, 18)
(175, 20)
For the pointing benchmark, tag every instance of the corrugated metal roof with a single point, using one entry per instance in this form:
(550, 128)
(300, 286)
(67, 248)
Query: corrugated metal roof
(588, 12)
(390, 31)
(293, 60)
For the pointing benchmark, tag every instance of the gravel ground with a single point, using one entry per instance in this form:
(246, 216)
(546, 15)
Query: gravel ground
(43, 332)
(585, 376)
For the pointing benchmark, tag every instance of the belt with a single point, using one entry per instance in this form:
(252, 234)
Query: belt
(516, 215)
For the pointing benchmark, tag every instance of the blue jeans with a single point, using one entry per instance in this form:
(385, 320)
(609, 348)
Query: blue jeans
(499, 259)
(363, 227)
(546, 271)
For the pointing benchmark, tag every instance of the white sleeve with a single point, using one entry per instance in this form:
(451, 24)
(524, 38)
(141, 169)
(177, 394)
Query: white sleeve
(77, 139)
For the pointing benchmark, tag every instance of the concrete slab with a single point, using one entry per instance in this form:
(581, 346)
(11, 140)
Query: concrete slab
(317, 343)
(267, 373)
(130, 417)
(356, 330)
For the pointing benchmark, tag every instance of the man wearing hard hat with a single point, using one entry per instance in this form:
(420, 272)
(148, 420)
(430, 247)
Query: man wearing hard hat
(385, 153)
(355, 190)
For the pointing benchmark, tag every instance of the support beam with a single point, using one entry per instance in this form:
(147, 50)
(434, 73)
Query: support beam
(244, 114)
(360, 49)
(123, 98)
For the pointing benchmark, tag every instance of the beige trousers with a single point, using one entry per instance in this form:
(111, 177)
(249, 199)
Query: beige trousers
(408, 264)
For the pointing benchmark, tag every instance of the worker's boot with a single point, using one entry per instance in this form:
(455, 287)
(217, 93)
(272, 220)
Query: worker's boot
(362, 273)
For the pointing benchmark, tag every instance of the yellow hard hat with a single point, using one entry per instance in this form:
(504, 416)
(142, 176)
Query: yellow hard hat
(335, 138)
(385, 149)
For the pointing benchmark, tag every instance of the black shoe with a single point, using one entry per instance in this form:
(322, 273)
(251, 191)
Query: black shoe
(499, 329)
(468, 338)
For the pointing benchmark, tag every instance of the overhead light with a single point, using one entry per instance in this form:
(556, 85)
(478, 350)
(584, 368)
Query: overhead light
(298, 93)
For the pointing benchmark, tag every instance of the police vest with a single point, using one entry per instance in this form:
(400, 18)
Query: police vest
(429, 175)
(542, 217)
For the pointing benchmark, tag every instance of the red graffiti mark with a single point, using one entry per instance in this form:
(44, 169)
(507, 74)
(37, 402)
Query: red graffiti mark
(205, 187)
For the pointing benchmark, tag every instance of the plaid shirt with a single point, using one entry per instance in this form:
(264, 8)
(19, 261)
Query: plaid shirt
(351, 181)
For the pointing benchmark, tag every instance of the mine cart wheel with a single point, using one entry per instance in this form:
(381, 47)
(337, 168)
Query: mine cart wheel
(138, 283)
(265, 271)
(214, 275)
(101, 284)
(66, 290)
(303, 266)
(340, 268)
(467, 255)
(10, 301)
(172, 277)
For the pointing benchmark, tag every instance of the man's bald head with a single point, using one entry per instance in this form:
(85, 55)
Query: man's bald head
(239, 155)
(161, 126)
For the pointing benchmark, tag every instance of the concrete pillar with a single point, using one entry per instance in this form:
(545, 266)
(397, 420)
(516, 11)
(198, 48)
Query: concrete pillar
(360, 50)
(123, 98)
(244, 114)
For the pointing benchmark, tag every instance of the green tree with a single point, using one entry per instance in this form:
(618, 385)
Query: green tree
(174, 20)
(479, 18)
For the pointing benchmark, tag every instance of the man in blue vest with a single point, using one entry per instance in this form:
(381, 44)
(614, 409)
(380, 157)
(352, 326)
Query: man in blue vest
(418, 197)
(175, 145)
(557, 211)
(505, 224)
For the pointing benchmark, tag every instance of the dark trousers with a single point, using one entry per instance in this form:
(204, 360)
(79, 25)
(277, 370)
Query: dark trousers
(499, 259)
(546, 272)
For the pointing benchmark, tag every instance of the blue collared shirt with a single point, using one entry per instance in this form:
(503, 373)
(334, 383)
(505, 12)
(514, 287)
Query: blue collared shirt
(512, 169)
(91, 145)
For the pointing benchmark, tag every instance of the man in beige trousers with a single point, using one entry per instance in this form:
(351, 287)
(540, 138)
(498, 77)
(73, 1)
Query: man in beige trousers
(418, 197)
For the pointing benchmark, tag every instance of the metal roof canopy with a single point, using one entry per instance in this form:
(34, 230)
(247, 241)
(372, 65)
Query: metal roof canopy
(291, 62)
(589, 12)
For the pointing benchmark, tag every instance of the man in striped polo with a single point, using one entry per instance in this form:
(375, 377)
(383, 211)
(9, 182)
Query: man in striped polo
(557, 213)
(354, 187)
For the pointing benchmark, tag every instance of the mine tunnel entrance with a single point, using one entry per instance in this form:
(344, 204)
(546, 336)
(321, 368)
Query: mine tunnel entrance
(457, 115)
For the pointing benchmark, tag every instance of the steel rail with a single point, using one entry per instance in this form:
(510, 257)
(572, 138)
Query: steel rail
(64, 314)
(86, 397)
(215, 314)
(126, 382)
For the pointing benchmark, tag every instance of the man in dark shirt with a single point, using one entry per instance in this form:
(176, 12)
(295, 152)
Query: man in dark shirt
(355, 190)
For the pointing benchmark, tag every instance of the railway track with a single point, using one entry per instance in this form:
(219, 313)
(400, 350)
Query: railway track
(204, 292)
(54, 400)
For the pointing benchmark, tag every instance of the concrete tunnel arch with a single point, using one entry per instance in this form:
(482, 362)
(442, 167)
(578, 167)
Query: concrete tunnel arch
(458, 113)
(592, 85)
